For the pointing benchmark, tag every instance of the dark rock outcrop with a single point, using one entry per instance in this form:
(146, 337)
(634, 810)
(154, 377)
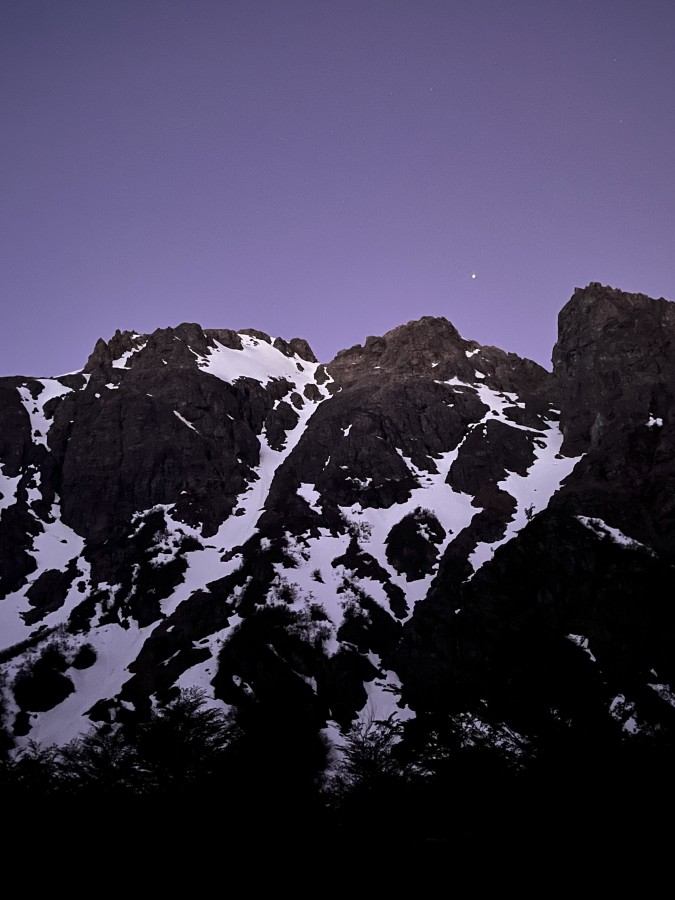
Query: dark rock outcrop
(614, 363)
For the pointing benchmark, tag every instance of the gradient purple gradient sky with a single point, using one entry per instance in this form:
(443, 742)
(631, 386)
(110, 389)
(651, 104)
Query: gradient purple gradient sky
(328, 168)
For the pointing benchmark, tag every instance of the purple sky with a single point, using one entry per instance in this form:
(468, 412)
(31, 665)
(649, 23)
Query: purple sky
(328, 168)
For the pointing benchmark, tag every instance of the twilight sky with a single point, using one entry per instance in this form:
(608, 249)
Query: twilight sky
(328, 169)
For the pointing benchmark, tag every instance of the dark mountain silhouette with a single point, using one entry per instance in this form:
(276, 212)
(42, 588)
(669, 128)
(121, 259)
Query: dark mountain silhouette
(427, 541)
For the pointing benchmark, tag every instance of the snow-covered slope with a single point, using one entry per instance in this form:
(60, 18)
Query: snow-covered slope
(398, 532)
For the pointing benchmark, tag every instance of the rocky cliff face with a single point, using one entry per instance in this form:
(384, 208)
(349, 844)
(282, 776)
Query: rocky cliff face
(423, 527)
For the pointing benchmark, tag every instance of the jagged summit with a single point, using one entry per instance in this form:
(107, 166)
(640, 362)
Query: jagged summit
(179, 346)
(432, 345)
(406, 349)
(598, 313)
(613, 359)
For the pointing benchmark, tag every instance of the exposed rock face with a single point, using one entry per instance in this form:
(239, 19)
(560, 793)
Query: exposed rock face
(150, 428)
(614, 362)
(424, 526)
(433, 343)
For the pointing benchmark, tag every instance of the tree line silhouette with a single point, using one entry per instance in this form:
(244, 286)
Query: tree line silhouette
(417, 781)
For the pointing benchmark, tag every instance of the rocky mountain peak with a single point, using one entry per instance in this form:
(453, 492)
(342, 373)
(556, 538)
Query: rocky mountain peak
(100, 358)
(431, 347)
(415, 348)
(613, 360)
(180, 346)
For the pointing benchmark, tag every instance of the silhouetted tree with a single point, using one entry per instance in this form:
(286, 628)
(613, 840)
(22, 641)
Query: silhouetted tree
(100, 762)
(34, 773)
(183, 745)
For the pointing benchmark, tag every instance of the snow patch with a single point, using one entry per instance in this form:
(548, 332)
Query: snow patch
(115, 649)
(623, 711)
(582, 643)
(257, 360)
(604, 531)
(202, 674)
(664, 692)
(185, 421)
(384, 695)
(533, 491)
(8, 488)
(53, 548)
(121, 362)
(310, 495)
(361, 483)
(39, 424)
(452, 508)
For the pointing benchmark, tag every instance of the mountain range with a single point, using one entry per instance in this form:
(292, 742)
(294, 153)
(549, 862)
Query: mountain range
(424, 533)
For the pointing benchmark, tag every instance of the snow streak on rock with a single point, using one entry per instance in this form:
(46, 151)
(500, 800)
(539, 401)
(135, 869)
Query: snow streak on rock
(532, 492)
(664, 691)
(39, 424)
(52, 549)
(121, 362)
(8, 488)
(582, 642)
(384, 696)
(201, 675)
(604, 531)
(184, 421)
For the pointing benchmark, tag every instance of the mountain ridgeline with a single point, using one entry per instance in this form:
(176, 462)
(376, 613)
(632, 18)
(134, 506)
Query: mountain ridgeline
(424, 532)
